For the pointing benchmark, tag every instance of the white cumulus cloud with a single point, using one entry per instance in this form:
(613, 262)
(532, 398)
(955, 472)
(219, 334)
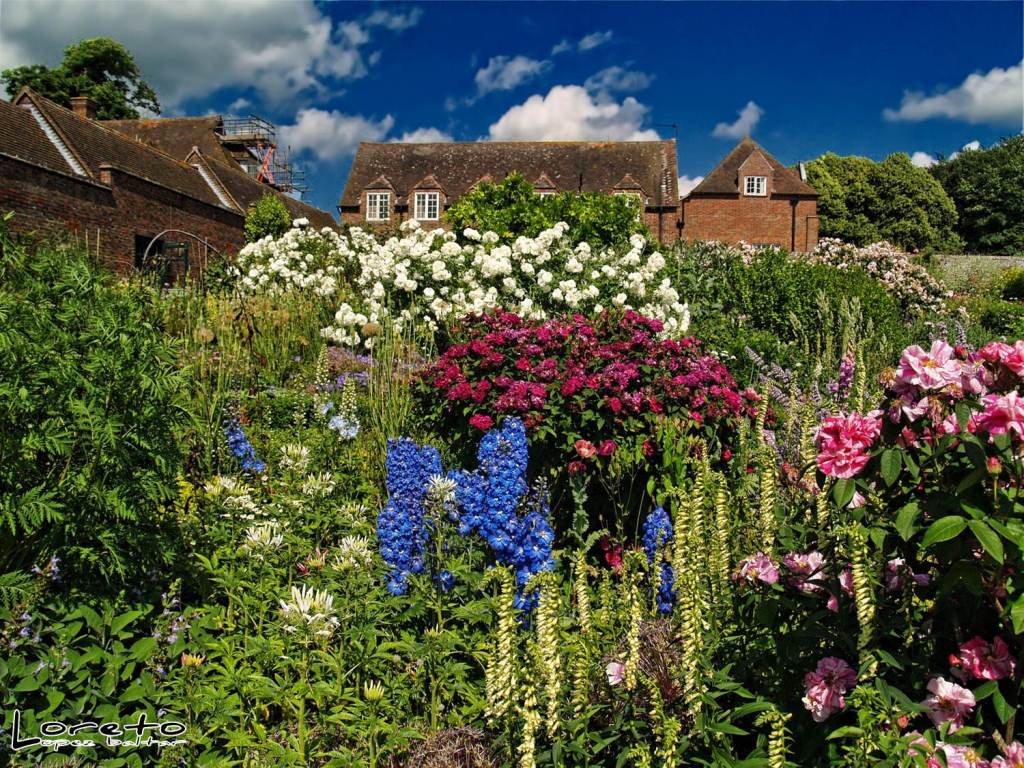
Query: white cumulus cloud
(570, 112)
(193, 48)
(686, 184)
(503, 73)
(969, 146)
(923, 160)
(424, 136)
(744, 125)
(995, 97)
(618, 79)
(329, 135)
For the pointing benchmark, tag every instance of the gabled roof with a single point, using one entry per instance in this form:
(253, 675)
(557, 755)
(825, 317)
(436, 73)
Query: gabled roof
(595, 166)
(212, 179)
(543, 182)
(176, 135)
(724, 179)
(628, 182)
(98, 146)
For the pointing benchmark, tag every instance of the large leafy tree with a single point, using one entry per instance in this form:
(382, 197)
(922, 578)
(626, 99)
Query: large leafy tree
(987, 187)
(862, 201)
(99, 68)
(514, 208)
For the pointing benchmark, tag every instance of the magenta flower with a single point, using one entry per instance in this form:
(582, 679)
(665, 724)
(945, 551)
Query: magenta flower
(934, 369)
(758, 567)
(895, 571)
(1014, 757)
(481, 421)
(845, 584)
(826, 687)
(1003, 414)
(987, 661)
(843, 442)
(949, 703)
(585, 449)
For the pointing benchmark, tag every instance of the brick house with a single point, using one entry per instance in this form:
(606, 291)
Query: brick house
(63, 171)
(751, 196)
(390, 183)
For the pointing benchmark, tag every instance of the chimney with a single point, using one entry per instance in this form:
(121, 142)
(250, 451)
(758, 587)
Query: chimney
(83, 106)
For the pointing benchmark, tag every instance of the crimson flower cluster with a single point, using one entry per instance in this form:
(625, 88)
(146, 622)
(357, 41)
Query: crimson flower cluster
(570, 373)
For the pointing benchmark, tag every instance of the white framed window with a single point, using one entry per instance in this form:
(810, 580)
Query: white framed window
(545, 194)
(378, 206)
(755, 186)
(428, 205)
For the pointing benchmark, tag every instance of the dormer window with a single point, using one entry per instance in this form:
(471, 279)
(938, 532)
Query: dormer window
(427, 206)
(378, 206)
(755, 186)
(635, 201)
(545, 193)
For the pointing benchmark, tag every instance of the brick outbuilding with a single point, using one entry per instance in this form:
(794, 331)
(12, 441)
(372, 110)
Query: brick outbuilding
(61, 172)
(752, 197)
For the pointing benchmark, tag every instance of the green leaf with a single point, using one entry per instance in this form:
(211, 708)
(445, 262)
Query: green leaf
(843, 491)
(1017, 614)
(123, 621)
(906, 521)
(988, 538)
(943, 529)
(846, 730)
(143, 648)
(892, 463)
(1003, 708)
(134, 693)
(973, 478)
(963, 414)
(985, 690)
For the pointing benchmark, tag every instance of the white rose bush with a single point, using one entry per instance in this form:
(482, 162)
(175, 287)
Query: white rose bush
(302, 258)
(429, 277)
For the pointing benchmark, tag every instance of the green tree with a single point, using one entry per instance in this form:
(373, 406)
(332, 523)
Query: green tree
(267, 216)
(514, 208)
(987, 187)
(861, 201)
(99, 68)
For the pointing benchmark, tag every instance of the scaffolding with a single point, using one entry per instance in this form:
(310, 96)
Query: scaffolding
(252, 141)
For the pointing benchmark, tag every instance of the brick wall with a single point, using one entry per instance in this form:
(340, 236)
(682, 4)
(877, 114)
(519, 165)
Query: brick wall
(111, 214)
(766, 219)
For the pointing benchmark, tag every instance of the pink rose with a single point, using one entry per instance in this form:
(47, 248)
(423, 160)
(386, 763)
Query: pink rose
(949, 703)
(585, 449)
(1014, 757)
(806, 569)
(607, 448)
(615, 670)
(987, 661)
(1003, 414)
(843, 442)
(758, 567)
(846, 585)
(826, 687)
(934, 369)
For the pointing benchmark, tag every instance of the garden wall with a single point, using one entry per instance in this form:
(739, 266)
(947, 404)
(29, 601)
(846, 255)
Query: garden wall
(756, 220)
(109, 215)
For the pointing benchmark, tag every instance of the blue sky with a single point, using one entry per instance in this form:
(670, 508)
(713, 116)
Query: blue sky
(803, 78)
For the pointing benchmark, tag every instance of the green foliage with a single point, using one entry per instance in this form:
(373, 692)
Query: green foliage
(513, 208)
(987, 187)
(90, 398)
(862, 202)
(782, 307)
(99, 68)
(1013, 284)
(268, 216)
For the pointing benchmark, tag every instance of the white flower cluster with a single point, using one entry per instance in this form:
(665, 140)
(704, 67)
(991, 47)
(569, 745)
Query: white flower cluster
(311, 609)
(918, 292)
(428, 277)
(302, 259)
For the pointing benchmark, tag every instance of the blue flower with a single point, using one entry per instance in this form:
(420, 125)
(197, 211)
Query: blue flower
(666, 596)
(446, 580)
(400, 529)
(241, 447)
(657, 532)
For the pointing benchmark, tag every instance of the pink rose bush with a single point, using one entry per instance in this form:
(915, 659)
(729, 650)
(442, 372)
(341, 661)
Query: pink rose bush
(986, 661)
(1012, 758)
(826, 687)
(844, 442)
(756, 568)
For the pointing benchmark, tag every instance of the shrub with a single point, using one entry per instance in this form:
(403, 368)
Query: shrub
(1013, 284)
(267, 217)
(917, 291)
(90, 397)
(299, 259)
(514, 209)
(429, 278)
(586, 390)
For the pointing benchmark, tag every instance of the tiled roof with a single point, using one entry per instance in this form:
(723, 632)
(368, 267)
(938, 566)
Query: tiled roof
(245, 191)
(97, 145)
(22, 137)
(570, 165)
(724, 179)
(176, 135)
